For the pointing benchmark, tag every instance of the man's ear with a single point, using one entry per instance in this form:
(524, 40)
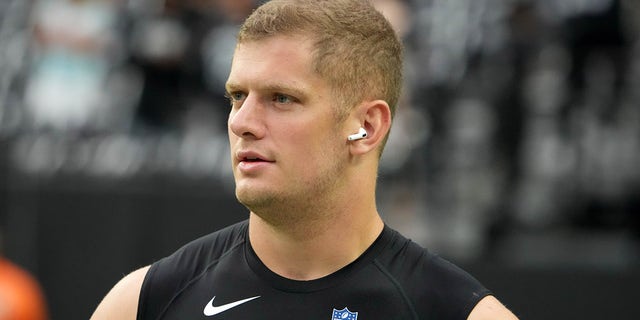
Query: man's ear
(375, 117)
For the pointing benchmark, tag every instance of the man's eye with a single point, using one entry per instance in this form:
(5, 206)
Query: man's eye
(234, 97)
(237, 96)
(281, 98)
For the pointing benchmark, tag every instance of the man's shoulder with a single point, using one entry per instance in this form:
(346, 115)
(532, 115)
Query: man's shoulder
(218, 241)
(171, 274)
(199, 253)
(406, 256)
(122, 301)
(402, 252)
(433, 284)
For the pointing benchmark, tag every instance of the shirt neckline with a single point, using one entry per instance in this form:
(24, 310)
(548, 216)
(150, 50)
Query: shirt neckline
(288, 285)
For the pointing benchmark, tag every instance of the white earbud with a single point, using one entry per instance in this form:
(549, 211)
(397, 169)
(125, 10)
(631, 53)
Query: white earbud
(357, 136)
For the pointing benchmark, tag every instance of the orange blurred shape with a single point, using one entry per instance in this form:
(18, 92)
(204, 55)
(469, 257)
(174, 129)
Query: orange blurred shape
(21, 297)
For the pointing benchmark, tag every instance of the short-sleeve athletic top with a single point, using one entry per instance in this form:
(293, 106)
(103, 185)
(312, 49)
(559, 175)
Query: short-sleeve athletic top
(219, 276)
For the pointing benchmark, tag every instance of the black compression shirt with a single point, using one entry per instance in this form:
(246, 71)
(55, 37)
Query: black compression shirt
(219, 276)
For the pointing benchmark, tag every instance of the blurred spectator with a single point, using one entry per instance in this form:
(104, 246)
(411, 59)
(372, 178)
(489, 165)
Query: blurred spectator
(75, 46)
(184, 51)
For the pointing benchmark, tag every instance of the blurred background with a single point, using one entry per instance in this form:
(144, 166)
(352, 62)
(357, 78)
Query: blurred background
(515, 150)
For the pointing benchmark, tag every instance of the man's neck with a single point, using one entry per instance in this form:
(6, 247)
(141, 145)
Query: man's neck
(307, 250)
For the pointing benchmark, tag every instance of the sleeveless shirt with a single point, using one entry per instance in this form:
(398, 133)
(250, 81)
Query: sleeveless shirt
(219, 276)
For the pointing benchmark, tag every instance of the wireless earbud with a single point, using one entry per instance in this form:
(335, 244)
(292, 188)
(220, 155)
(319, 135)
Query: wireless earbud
(357, 136)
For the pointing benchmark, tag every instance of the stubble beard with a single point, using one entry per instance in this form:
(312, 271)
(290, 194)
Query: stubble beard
(303, 202)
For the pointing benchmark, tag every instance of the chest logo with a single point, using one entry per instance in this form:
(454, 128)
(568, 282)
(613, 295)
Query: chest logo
(211, 310)
(344, 314)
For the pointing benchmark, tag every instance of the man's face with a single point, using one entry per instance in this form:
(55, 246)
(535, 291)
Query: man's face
(287, 150)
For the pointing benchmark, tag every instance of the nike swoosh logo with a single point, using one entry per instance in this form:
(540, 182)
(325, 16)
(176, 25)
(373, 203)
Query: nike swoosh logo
(211, 310)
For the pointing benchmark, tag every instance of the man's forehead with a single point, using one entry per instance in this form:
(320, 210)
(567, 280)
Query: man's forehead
(272, 63)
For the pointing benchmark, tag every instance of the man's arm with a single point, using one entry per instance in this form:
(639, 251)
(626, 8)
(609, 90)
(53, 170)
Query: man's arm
(122, 301)
(489, 308)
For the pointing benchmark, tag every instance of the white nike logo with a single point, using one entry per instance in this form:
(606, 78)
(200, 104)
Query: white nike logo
(211, 310)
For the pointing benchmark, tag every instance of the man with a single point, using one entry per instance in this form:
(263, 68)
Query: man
(313, 88)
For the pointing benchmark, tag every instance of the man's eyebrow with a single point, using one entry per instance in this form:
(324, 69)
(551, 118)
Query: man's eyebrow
(285, 88)
(230, 87)
(272, 87)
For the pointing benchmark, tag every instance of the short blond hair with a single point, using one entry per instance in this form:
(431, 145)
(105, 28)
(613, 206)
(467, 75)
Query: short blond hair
(355, 47)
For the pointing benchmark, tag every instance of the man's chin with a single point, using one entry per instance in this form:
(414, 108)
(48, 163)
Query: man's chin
(273, 209)
(254, 201)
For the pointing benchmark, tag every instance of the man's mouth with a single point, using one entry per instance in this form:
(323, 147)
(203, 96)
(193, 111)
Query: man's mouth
(249, 156)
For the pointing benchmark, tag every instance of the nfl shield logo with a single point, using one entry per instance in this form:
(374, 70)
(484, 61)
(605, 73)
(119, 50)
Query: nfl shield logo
(344, 314)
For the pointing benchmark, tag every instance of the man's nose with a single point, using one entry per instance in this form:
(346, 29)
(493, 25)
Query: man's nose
(248, 120)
